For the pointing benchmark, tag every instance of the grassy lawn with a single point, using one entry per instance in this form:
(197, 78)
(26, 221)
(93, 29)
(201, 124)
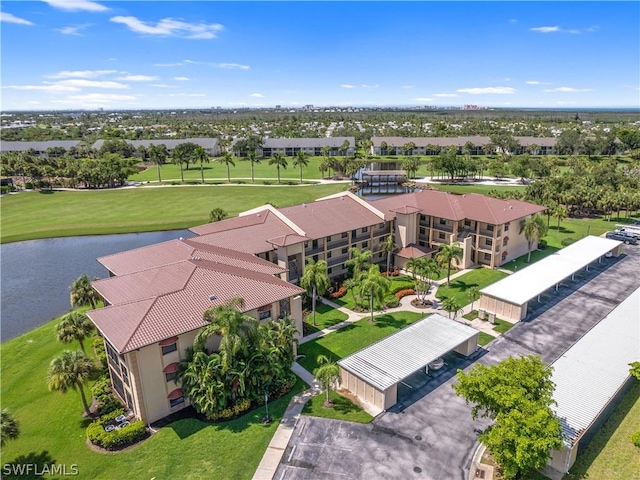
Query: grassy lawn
(521, 262)
(472, 315)
(482, 189)
(354, 337)
(52, 428)
(343, 409)
(326, 316)
(348, 300)
(484, 338)
(502, 326)
(480, 277)
(32, 215)
(215, 170)
(611, 455)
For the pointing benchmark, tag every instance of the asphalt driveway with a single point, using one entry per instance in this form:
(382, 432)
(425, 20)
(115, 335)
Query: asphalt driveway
(430, 433)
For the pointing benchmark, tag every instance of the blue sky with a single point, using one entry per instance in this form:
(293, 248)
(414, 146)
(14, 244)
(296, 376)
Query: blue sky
(72, 54)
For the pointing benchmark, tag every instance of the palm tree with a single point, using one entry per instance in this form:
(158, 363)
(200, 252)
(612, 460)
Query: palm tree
(70, 371)
(534, 229)
(234, 327)
(350, 284)
(315, 281)
(158, 155)
(201, 155)
(279, 160)
(344, 148)
(327, 374)
(376, 286)
(359, 260)
(446, 255)
(301, 160)
(325, 166)
(560, 212)
(253, 158)
(388, 246)
(217, 214)
(9, 428)
(82, 293)
(227, 158)
(473, 294)
(74, 326)
(451, 305)
(383, 147)
(424, 268)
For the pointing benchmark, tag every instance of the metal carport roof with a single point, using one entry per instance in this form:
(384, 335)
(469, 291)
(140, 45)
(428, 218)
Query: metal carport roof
(394, 358)
(533, 280)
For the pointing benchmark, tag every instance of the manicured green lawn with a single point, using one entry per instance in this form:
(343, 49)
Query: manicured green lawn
(348, 300)
(52, 428)
(354, 337)
(32, 215)
(484, 338)
(611, 455)
(215, 170)
(326, 316)
(521, 262)
(482, 189)
(502, 326)
(343, 409)
(480, 277)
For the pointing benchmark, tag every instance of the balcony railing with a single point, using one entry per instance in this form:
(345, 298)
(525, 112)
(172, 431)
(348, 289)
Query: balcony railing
(486, 233)
(378, 233)
(312, 251)
(443, 228)
(338, 260)
(342, 242)
(361, 238)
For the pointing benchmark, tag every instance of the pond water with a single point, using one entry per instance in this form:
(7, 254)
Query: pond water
(36, 274)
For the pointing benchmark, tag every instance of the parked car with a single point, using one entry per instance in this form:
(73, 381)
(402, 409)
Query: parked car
(628, 239)
(631, 232)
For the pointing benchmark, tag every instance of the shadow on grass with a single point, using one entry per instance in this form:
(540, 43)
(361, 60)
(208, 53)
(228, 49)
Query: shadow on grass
(32, 466)
(344, 405)
(561, 229)
(47, 192)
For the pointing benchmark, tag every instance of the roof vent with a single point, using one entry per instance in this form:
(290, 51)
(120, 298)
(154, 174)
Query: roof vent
(181, 239)
(196, 258)
(212, 297)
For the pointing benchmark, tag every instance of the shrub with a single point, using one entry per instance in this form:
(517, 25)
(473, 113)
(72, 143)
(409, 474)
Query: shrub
(567, 241)
(108, 405)
(118, 438)
(635, 438)
(99, 351)
(399, 286)
(236, 409)
(341, 292)
(391, 301)
(404, 293)
(102, 387)
(266, 182)
(5, 189)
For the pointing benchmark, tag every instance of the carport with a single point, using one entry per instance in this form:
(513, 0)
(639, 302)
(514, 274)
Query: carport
(373, 373)
(509, 297)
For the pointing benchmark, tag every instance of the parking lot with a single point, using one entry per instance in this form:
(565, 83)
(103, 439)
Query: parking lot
(429, 434)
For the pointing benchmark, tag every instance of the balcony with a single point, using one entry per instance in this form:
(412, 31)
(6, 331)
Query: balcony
(443, 228)
(314, 250)
(363, 237)
(337, 260)
(384, 231)
(342, 242)
(486, 233)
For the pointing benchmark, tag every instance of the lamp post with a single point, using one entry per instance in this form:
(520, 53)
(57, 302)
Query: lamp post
(266, 420)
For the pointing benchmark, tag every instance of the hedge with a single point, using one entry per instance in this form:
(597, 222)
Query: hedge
(404, 293)
(239, 407)
(397, 286)
(118, 438)
(391, 301)
(341, 292)
(635, 438)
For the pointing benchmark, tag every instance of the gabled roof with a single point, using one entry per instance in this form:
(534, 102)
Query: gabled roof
(170, 143)
(173, 251)
(307, 142)
(164, 302)
(37, 146)
(478, 141)
(415, 251)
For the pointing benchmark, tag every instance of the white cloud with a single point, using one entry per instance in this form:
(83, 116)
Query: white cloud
(257, 95)
(347, 85)
(81, 73)
(234, 65)
(423, 99)
(73, 30)
(407, 87)
(177, 64)
(488, 90)
(95, 100)
(45, 88)
(181, 79)
(170, 27)
(536, 82)
(77, 5)
(375, 85)
(161, 85)
(9, 18)
(187, 95)
(137, 78)
(446, 95)
(83, 83)
(567, 90)
(546, 29)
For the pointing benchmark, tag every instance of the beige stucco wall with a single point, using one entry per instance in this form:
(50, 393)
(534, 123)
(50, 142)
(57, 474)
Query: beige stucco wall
(390, 396)
(406, 229)
(468, 347)
(517, 244)
(502, 309)
(562, 460)
(367, 394)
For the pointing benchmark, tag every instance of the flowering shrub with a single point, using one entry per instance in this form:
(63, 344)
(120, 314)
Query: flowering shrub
(404, 293)
(236, 409)
(341, 292)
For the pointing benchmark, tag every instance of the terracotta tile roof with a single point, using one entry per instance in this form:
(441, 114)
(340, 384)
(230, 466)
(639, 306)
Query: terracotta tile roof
(406, 209)
(163, 311)
(173, 251)
(286, 240)
(331, 216)
(459, 141)
(248, 233)
(415, 251)
(470, 206)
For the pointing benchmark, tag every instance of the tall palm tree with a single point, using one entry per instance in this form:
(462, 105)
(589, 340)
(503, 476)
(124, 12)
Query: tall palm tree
(74, 326)
(376, 286)
(315, 281)
(201, 155)
(158, 154)
(359, 260)
(234, 327)
(279, 160)
(82, 293)
(560, 212)
(253, 158)
(301, 160)
(451, 305)
(227, 159)
(534, 229)
(446, 255)
(388, 246)
(178, 158)
(473, 294)
(327, 374)
(423, 269)
(9, 428)
(70, 371)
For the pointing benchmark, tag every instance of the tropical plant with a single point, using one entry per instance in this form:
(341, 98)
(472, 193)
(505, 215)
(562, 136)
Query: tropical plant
(201, 155)
(280, 161)
(227, 159)
(351, 284)
(183, 153)
(446, 255)
(473, 294)
(534, 229)
(9, 427)
(451, 305)
(301, 160)
(560, 213)
(375, 286)
(82, 293)
(74, 325)
(158, 154)
(217, 214)
(422, 269)
(388, 246)
(359, 261)
(70, 371)
(411, 165)
(328, 373)
(253, 158)
(315, 281)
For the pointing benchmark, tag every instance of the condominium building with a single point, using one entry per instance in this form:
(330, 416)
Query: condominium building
(431, 145)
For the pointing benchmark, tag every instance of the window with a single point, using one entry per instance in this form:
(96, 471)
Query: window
(487, 256)
(365, 244)
(176, 401)
(170, 376)
(489, 242)
(423, 231)
(441, 236)
(381, 226)
(365, 229)
(125, 373)
(129, 401)
(489, 227)
(329, 271)
(504, 242)
(345, 250)
(467, 223)
(117, 385)
(380, 255)
(328, 254)
(329, 238)
(166, 349)
(264, 312)
(443, 221)
(506, 227)
(345, 234)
